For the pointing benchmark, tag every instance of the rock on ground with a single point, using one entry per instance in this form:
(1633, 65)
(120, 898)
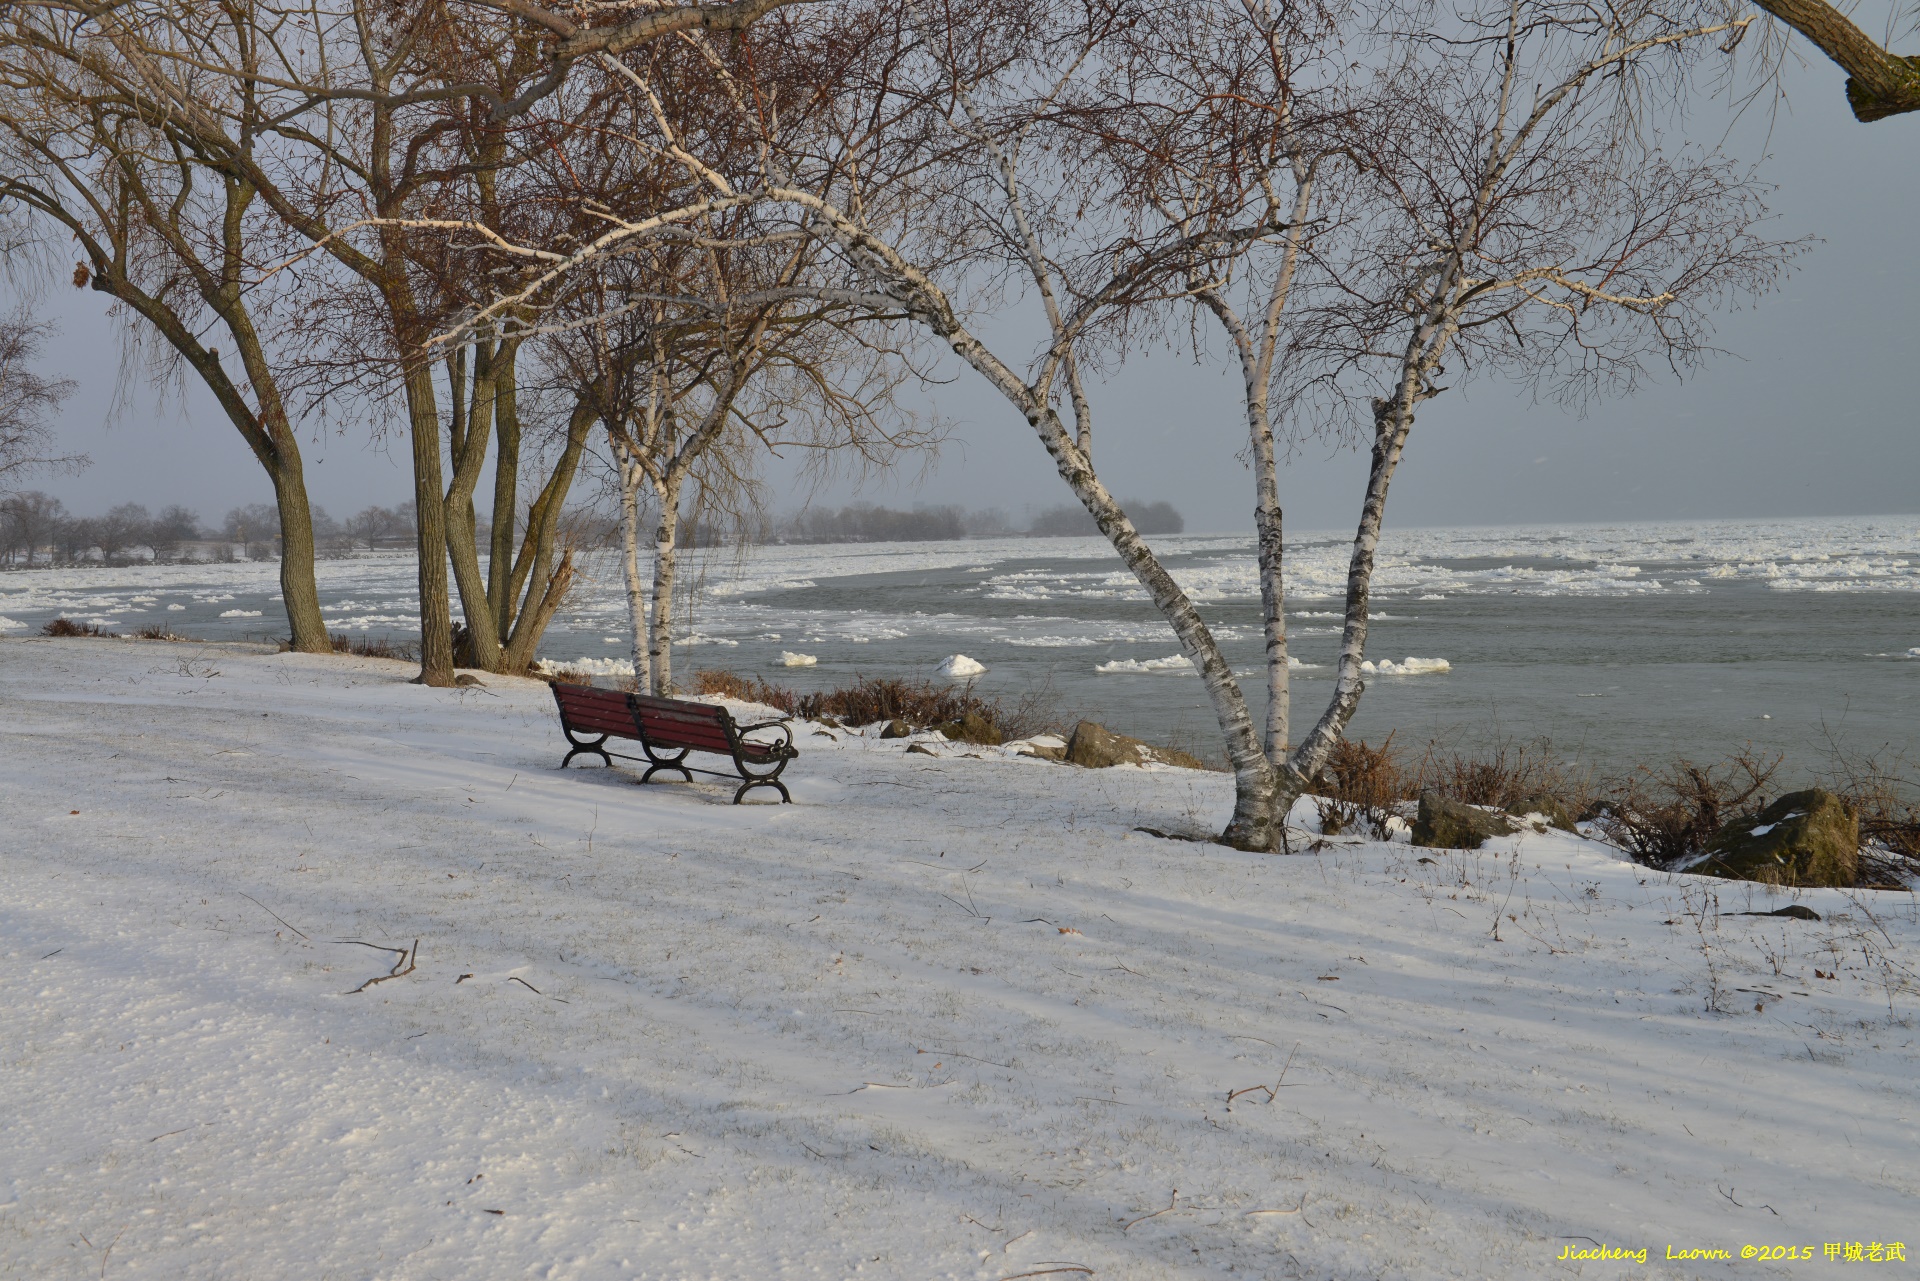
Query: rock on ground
(1454, 825)
(1097, 747)
(1804, 838)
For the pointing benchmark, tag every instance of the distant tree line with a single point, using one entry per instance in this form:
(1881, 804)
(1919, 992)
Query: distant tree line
(36, 530)
(867, 523)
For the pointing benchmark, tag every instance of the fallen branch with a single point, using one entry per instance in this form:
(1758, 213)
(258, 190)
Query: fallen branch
(402, 967)
(269, 911)
(1172, 1203)
(1047, 1272)
(1298, 1209)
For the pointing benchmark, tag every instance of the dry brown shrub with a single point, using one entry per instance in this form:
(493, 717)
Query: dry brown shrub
(1881, 790)
(872, 698)
(1507, 775)
(157, 631)
(723, 684)
(367, 647)
(1360, 783)
(67, 627)
(1661, 817)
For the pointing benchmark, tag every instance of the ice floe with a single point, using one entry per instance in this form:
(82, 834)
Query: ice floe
(1411, 667)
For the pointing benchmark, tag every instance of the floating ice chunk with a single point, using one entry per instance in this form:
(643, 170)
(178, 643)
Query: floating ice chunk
(239, 613)
(1914, 653)
(790, 659)
(1412, 667)
(175, 609)
(11, 625)
(1175, 663)
(960, 665)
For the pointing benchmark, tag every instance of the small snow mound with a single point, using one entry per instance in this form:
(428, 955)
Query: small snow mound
(11, 625)
(1412, 667)
(790, 659)
(960, 665)
(239, 613)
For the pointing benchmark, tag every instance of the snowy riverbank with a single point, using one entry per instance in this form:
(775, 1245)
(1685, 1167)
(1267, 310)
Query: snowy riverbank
(943, 1017)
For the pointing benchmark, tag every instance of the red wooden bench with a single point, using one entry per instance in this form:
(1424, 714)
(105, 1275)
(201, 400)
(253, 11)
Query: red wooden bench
(668, 730)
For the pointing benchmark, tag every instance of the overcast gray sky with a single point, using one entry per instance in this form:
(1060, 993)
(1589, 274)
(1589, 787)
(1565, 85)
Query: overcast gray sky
(1813, 414)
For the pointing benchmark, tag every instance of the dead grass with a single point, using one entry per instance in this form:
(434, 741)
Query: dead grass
(1362, 784)
(367, 647)
(1882, 790)
(570, 676)
(919, 703)
(1663, 816)
(159, 632)
(67, 627)
(1510, 775)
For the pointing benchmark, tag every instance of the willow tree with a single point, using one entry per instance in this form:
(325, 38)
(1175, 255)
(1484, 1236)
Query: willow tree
(172, 239)
(352, 116)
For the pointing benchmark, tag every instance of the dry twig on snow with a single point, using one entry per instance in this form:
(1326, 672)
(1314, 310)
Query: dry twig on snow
(402, 967)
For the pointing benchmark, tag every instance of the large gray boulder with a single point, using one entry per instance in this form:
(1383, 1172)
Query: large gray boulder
(1804, 838)
(1097, 747)
(1455, 825)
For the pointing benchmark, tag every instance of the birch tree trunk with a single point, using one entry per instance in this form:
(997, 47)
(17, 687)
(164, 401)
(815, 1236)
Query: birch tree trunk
(1253, 825)
(642, 636)
(665, 563)
(1392, 422)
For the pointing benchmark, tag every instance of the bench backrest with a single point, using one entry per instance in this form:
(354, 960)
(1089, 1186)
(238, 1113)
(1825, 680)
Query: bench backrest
(594, 711)
(669, 722)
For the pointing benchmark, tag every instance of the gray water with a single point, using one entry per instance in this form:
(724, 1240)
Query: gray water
(1622, 644)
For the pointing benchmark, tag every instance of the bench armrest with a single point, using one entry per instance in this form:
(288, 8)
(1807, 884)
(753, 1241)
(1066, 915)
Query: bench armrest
(785, 729)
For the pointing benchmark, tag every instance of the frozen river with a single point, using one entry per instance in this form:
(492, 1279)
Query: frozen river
(1622, 643)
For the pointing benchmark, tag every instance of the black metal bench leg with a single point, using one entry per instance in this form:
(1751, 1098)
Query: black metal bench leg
(665, 762)
(598, 747)
(786, 798)
(655, 769)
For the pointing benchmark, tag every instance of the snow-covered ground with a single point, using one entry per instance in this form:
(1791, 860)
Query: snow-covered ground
(942, 1017)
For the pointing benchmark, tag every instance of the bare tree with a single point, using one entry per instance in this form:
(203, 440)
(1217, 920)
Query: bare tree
(1541, 234)
(166, 236)
(339, 118)
(1525, 219)
(32, 521)
(28, 399)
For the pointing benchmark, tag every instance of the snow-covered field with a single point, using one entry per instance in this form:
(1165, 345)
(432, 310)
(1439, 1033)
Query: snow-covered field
(942, 1017)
